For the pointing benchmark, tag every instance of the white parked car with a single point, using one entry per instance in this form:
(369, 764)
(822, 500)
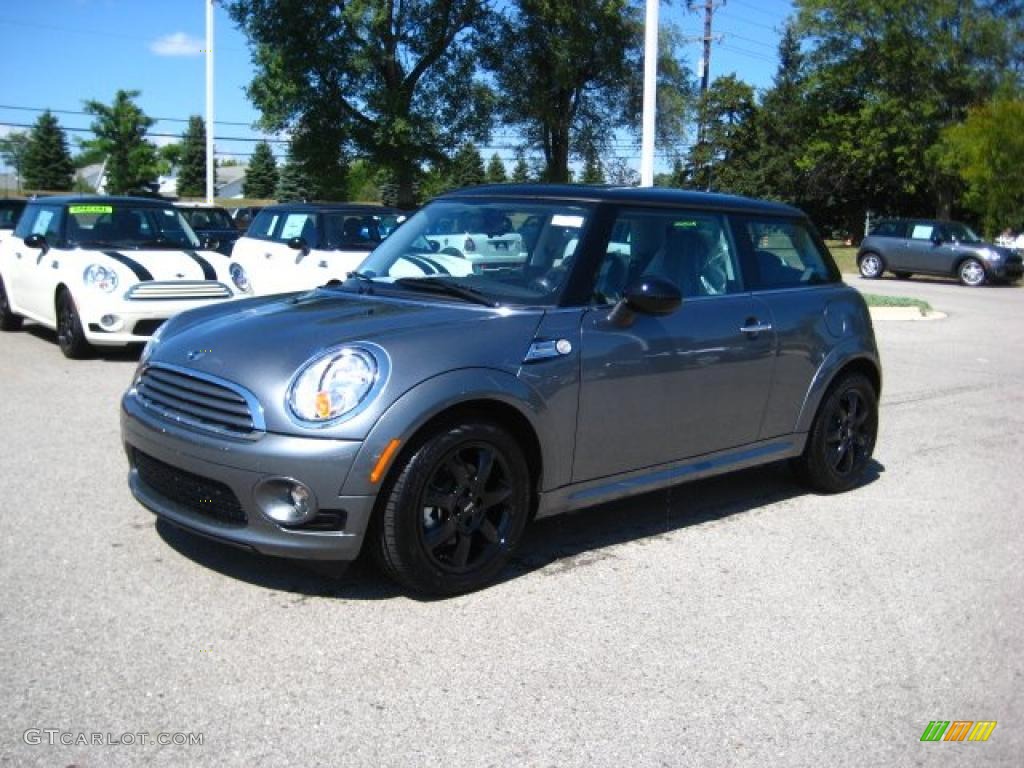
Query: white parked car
(486, 240)
(107, 271)
(297, 247)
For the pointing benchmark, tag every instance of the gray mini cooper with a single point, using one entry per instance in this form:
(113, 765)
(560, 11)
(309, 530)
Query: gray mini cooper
(631, 340)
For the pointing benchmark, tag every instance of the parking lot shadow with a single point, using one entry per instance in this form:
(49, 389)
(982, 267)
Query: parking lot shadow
(563, 542)
(129, 353)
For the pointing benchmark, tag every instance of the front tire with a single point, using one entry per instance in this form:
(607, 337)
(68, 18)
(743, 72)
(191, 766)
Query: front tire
(70, 336)
(8, 320)
(455, 511)
(871, 266)
(842, 437)
(971, 273)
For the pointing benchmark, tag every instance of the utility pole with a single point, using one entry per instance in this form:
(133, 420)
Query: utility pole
(710, 6)
(210, 159)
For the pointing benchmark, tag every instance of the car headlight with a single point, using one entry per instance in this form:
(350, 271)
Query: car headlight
(990, 254)
(239, 277)
(98, 276)
(334, 383)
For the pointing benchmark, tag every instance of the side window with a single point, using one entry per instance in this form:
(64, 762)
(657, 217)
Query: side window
(299, 225)
(263, 225)
(888, 229)
(922, 231)
(691, 249)
(782, 253)
(40, 220)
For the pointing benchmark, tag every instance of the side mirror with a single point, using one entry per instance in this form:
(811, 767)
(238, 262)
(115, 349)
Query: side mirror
(299, 244)
(210, 244)
(434, 245)
(937, 239)
(37, 241)
(648, 296)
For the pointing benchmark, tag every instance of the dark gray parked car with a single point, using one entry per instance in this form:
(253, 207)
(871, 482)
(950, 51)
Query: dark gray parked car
(639, 339)
(921, 246)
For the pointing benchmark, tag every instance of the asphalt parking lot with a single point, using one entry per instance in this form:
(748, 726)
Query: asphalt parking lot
(738, 621)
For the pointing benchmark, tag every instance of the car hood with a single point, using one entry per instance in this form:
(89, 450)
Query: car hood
(260, 344)
(163, 264)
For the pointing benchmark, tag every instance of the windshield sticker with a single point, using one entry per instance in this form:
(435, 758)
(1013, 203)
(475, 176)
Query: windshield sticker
(76, 209)
(293, 226)
(561, 220)
(922, 232)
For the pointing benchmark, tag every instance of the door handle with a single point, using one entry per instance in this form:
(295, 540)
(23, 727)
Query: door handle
(754, 325)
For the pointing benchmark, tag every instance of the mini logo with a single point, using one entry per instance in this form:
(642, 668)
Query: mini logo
(179, 275)
(958, 730)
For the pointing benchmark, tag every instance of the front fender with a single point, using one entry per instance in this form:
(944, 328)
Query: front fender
(436, 395)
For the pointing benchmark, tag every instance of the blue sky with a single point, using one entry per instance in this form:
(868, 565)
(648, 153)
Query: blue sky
(61, 52)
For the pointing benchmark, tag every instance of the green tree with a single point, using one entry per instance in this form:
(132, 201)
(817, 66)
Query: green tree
(593, 173)
(261, 175)
(192, 165)
(723, 160)
(496, 170)
(120, 130)
(293, 184)
(12, 149)
(467, 168)
(987, 152)
(884, 77)
(521, 170)
(168, 158)
(47, 162)
(564, 73)
(391, 81)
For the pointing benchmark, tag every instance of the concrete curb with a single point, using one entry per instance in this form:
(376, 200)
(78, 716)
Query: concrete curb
(904, 313)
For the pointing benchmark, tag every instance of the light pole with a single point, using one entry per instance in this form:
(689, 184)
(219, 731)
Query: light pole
(650, 94)
(210, 161)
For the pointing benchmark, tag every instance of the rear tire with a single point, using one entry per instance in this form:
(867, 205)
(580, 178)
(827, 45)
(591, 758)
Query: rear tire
(70, 336)
(871, 266)
(455, 511)
(8, 320)
(842, 437)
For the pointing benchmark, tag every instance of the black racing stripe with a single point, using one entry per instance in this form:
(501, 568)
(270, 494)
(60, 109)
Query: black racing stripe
(437, 265)
(426, 266)
(140, 271)
(209, 273)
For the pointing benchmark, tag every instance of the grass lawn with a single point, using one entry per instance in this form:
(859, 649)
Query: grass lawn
(845, 256)
(874, 300)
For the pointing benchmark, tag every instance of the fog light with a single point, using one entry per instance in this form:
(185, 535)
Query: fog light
(286, 501)
(111, 322)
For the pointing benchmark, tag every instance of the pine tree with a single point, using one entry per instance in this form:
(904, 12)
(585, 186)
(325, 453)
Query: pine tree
(47, 163)
(120, 130)
(192, 168)
(468, 166)
(262, 174)
(521, 171)
(496, 171)
(293, 183)
(593, 172)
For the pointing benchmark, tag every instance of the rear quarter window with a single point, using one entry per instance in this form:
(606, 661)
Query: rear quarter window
(782, 253)
(889, 229)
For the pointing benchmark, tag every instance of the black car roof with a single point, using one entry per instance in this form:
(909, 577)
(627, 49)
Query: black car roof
(101, 200)
(328, 207)
(632, 195)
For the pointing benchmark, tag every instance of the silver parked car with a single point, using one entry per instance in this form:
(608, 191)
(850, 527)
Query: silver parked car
(646, 338)
(907, 247)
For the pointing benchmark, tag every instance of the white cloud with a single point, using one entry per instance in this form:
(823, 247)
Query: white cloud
(177, 44)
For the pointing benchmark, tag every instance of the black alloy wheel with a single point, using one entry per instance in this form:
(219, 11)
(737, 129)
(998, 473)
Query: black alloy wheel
(456, 510)
(70, 336)
(8, 320)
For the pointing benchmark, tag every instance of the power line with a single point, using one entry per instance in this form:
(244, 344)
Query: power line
(154, 135)
(81, 112)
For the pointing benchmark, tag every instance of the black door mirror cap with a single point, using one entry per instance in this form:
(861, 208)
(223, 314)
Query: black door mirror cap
(646, 296)
(299, 244)
(37, 241)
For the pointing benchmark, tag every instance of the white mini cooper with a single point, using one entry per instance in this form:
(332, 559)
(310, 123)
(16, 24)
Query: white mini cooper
(107, 271)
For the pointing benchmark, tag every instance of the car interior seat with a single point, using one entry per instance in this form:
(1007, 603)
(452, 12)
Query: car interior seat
(681, 258)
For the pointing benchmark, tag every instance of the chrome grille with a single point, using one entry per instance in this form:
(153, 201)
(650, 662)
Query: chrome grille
(201, 401)
(179, 289)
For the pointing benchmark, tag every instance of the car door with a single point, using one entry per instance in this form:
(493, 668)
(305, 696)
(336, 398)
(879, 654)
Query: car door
(924, 254)
(37, 266)
(665, 388)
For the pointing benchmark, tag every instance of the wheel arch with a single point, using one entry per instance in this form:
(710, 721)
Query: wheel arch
(965, 257)
(830, 372)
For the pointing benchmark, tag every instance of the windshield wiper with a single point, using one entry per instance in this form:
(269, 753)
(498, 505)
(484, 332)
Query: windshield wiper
(442, 286)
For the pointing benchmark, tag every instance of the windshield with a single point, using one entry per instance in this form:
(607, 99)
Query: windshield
(961, 233)
(207, 218)
(121, 225)
(509, 252)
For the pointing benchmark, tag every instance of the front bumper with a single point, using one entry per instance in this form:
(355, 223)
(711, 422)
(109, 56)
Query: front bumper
(137, 320)
(200, 472)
